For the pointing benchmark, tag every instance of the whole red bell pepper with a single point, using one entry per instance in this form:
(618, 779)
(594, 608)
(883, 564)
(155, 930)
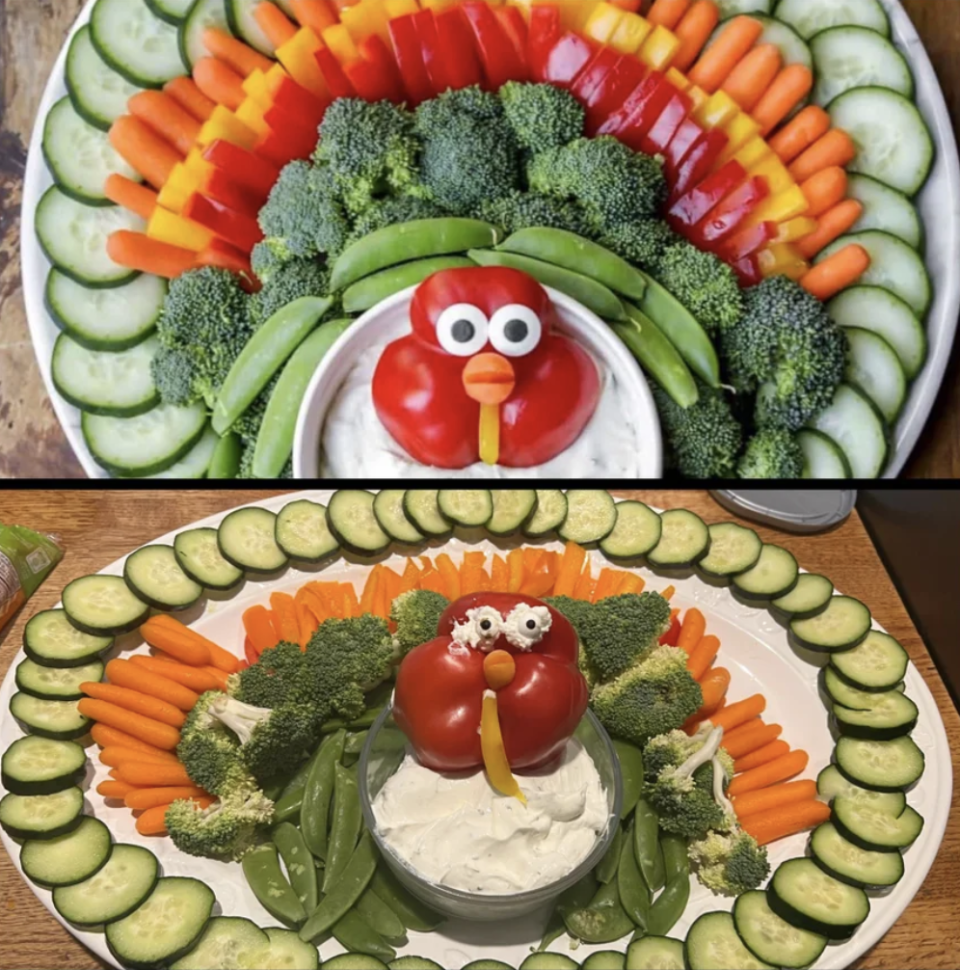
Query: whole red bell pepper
(234, 227)
(699, 162)
(434, 59)
(724, 218)
(690, 208)
(502, 62)
(406, 49)
(456, 41)
(248, 170)
(440, 685)
(566, 59)
(612, 91)
(544, 32)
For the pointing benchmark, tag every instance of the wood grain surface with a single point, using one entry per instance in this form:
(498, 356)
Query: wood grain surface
(31, 442)
(98, 527)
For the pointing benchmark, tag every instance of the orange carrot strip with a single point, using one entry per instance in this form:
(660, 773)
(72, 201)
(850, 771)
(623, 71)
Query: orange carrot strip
(125, 674)
(369, 596)
(411, 576)
(142, 798)
(136, 250)
(667, 593)
(130, 195)
(824, 190)
(833, 224)
(274, 23)
(705, 652)
(766, 775)
(185, 92)
(154, 775)
(118, 757)
(219, 82)
(282, 607)
(108, 737)
(170, 641)
(451, 576)
(693, 31)
(737, 714)
(764, 799)
(837, 272)
(515, 564)
(730, 47)
(152, 821)
(749, 80)
(134, 700)
(147, 729)
(763, 755)
(835, 148)
(571, 565)
(196, 678)
(499, 575)
(144, 150)
(315, 14)
(691, 629)
(767, 827)
(221, 676)
(791, 86)
(115, 789)
(167, 118)
(256, 623)
(802, 131)
(738, 744)
(714, 686)
(218, 656)
(667, 12)
(471, 573)
(240, 57)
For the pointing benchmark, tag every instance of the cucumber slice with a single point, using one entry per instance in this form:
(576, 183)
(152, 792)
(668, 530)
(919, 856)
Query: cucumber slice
(48, 718)
(893, 141)
(853, 423)
(195, 464)
(203, 14)
(714, 944)
(771, 939)
(469, 507)
(774, 575)
(353, 523)
(873, 830)
(41, 816)
(227, 942)
(840, 692)
(550, 513)
(243, 23)
(559, 961)
(843, 625)
(154, 576)
(199, 556)
(303, 533)
(135, 43)
(114, 384)
(354, 961)
(40, 766)
(147, 444)
(822, 457)
(286, 951)
(164, 927)
(847, 862)
(809, 17)
(731, 8)
(893, 716)
(808, 598)
(479, 965)
(832, 784)
(857, 57)
(885, 209)
(413, 963)
(793, 48)
(51, 640)
(803, 895)
(684, 540)
(656, 953)
(637, 530)
(56, 683)
(103, 606)
(119, 888)
(421, 507)
(733, 549)
(67, 859)
(99, 94)
(880, 765)
(512, 507)
(591, 516)
(874, 367)
(388, 508)
(877, 664)
(247, 540)
(74, 236)
(172, 11)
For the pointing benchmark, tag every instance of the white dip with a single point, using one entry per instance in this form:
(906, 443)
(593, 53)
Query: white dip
(457, 831)
(356, 445)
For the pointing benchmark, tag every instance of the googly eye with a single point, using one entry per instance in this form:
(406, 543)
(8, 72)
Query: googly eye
(527, 625)
(515, 330)
(488, 621)
(462, 330)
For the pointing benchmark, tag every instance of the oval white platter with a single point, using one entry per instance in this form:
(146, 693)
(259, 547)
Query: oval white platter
(939, 206)
(755, 650)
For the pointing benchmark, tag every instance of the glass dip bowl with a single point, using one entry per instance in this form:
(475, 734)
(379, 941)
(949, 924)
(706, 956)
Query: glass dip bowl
(384, 751)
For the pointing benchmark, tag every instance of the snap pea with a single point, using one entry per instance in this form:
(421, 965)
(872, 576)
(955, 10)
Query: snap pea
(646, 845)
(225, 462)
(634, 894)
(358, 936)
(681, 328)
(603, 920)
(298, 780)
(355, 742)
(668, 907)
(345, 828)
(261, 867)
(631, 770)
(409, 240)
(381, 917)
(365, 720)
(658, 357)
(607, 867)
(578, 896)
(301, 871)
(275, 439)
(371, 290)
(345, 892)
(264, 355)
(318, 792)
(571, 251)
(413, 914)
(593, 295)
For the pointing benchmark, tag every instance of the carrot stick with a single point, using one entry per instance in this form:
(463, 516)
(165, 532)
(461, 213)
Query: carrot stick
(239, 57)
(714, 688)
(764, 799)
(144, 150)
(738, 744)
(136, 250)
(767, 827)
(185, 92)
(824, 190)
(147, 729)
(130, 195)
(693, 31)
(766, 775)
(115, 789)
(315, 14)
(691, 629)
(763, 755)
(152, 821)
(218, 656)
(196, 678)
(125, 674)
(451, 576)
(749, 80)
(705, 652)
(274, 23)
(667, 12)
(833, 224)
(151, 797)
(114, 757)
(835, 148)
(221, 676)
(499, 574)
(256, 623)
(730, 47)
(789, 88)
(170, 641)
(167, 118)
(411, 576)
(800, 133)
(837, 272)
(153, 775)
(515, 565)
(737, 714)
(134, 700)
(109, 737)
(219, 82)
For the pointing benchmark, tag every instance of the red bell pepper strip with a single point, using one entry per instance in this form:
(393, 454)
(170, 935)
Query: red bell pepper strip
(635, 132)
(246, 169)
(687, 135)
(515, 27)
(250, 651)
(690, 208)
(613, 91)
(501, 60)
(672, 637)
(747, 242)
(724, 218)
(617, 121)
(296, 100)
(699, 161)
(667, 124)
(232, 226)
(282, 145)
(748, 271)
(224, 256)
(431, 51)
(375, 77)
(406, 49)
(333, 76)
(456, 41)
(544, 32)
(589, 80)
(217, 185)
(566, 59)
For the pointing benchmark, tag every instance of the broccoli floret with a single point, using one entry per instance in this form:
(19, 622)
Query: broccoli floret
(772, 455)
(576, 611)
(704, 440)
(652, 698)
(211, 754)
(225, 830)
(417, 614)
(303, 217)
(470, 153)
(729, 864)
(643, 242)
(542, 116)
(392, 212)
(265, 261)
(174, 373)
(671, 748)
(528, 210)
(704, 284)
(275, 679)
(293, 280)
(614, 184)
(788, 349)
(370, 149)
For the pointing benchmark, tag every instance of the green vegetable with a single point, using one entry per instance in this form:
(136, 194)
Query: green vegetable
(299, 864)
(354, 743)
(346, 824)
(730, 863)
(417, 615)
(631, 770)
(527, 210)
(704, 284)
(542, 116)
(643, 242)
(392, 211)
(607, 869)
(772, 454)
(318, 794)
(261, 867)
(292, 281)
(673, 748)
(413, 914)
(657, 356)
(381, 918)
(575, 898)
(646, 845)
(226, 830)
(603, 920)
(668, 907)
(358, 936)
(635, 897)
(368, 292)
(226, 458)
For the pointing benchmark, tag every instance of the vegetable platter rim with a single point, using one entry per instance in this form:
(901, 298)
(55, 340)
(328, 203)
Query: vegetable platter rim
(932, 794)
(940, 195)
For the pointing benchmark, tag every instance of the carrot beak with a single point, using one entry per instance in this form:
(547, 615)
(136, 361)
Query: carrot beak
(489, 378)
(499, 669)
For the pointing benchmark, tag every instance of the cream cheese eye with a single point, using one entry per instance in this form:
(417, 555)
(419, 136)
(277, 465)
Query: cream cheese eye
(515, 330)
(526, 626)
(463, 330)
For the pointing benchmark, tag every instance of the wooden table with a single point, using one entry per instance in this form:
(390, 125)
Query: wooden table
(98, 527)
(31, 442)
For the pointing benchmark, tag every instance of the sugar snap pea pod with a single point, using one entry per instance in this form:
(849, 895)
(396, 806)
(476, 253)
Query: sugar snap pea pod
(607, 867)
(407, 241)
(371, 290)
(225, 462)
(682, 329)
(646, 845)
(264, 354)
(381, 917)
(358, 936)
(578, 896)
(603, 920)
(301, 871)
(413, 914)
(345, 892)
(345, 828)
(668, 907)
(318, 793)
(631, 769)
(571, 251)
(355, 742)
(593, 295)
(658, 357)
(261, 867)
(275, 439)
(634, 894)
(365, 720)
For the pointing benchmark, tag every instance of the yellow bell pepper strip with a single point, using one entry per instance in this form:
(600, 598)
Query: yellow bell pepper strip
(717, 110)
(494, 754)
(782, 259)
(298, 57)
(753, 152)
(776, 174)
(365, 18)
(340, 44)
(630, 34)
(490, 434)
(399, 8)
(682, 83)
(602, 23)
(740, 129)
(225, 125)
(181, 184)
(250, 113)
(499, 669)
(781, 207)
(794, 230)
(174, 230)
(659, 49)
(255, 86)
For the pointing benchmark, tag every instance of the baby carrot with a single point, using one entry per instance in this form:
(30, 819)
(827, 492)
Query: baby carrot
(693, 723)
(147, 729)
(166, 117)
(148, 774)
(693, 31)
(240, 57)
(736, 714)
(714, 686)
(824, 190)
(741, 743)
(185, 92)
(802, 131)
(196, 678)
(123, 673)
(218, 656)
(136, 250)
(705, 652)
(749, 80)
(667, 12)
(115, 789)
(151, 822)
(765, 799)
(835, 148)
(780, 769)
(219, 82)
(115, 757)
(837, 272)
(133, 700)
(274, 23)
(729, 49)
(789, 88)
(130, 195)
(144, 150)
(170, 641)
(220, 676)
(141, 798)
(108, 737)
(762, 755)
(832, 224)
(316, 16)
(691, 629)
(778, 823)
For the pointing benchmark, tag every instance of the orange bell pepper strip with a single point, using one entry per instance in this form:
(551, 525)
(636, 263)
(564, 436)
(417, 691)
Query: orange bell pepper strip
(371, 588)
(411, 577)
(393, 584)
(306, 623)
(500, 575)
(285, 617)
(570, 566)
(451, 576)
(583, 589)
(608, 582)
(630, 583)
(351, 604)
(432, 579)
(471, 573)
(515, 565)
(259, 629)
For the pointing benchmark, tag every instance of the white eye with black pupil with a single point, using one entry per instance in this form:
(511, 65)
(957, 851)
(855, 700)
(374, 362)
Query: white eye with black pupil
(463, 330)
(515, 330)
(527, 625)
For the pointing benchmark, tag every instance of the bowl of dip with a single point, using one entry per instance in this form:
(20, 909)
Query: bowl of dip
(339, 434)
(469, 852)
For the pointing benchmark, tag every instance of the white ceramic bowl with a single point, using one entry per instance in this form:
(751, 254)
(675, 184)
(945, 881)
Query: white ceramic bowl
(391, 319)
